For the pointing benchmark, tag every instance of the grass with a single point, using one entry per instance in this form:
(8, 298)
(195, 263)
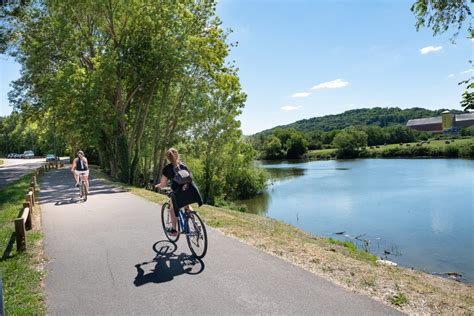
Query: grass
(322, 153)
(1, 162)
(435, 146)
(352, 248)
(20, 271)
(398, 299)
(343, 263)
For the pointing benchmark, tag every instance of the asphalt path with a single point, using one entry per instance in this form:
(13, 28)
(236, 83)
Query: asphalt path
(13, 169)
(109, 256)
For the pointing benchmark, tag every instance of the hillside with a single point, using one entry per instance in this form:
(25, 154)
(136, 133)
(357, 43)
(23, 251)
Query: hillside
(374, 116)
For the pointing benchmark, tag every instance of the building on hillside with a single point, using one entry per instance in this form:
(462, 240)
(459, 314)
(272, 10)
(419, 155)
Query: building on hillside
(446, 123)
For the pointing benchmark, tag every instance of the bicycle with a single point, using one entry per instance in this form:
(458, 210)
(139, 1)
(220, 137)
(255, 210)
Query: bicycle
(82, 187)
(191, 225)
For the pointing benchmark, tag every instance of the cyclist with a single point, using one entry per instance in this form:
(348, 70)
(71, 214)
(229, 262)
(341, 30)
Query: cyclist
(181, 195)
(81, 166)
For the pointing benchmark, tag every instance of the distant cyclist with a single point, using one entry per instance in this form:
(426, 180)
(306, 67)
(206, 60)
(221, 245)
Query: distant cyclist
(81, 166)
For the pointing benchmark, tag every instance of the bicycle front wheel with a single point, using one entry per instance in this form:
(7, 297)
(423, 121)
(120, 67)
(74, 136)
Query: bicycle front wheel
(197, 235)
(84, 191)
(167, 224)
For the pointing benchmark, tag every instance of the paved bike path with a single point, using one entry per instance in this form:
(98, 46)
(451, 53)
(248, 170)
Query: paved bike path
(109, 257)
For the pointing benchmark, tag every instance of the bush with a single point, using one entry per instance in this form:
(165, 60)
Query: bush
(467, 150)
(451, 151)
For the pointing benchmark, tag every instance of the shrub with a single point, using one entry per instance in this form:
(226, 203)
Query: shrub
(467, 150)
(451, 151)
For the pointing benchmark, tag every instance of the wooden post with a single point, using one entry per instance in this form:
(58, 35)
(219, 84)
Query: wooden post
(31, 194)
(2, 310)
(20, 234)
(33, 179)
(28, 222)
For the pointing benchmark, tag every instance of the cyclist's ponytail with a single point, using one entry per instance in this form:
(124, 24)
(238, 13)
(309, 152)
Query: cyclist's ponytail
(173, 156)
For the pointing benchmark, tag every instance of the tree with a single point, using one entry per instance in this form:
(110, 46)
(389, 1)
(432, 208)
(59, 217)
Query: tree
(440, 15)
(296, 146)
(349, 142)
(272, 148)
(375, 135)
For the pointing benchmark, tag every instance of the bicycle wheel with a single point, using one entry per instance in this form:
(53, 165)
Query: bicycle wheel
(166, 223)
(84, 191)
(197, 235)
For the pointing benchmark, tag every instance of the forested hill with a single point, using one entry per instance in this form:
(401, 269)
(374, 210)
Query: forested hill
(374, 116)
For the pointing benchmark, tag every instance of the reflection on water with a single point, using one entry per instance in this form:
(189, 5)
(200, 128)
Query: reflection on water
(284, 173)
(259, 204)
(418, 213)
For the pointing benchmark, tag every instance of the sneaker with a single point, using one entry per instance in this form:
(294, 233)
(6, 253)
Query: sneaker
(77, 185)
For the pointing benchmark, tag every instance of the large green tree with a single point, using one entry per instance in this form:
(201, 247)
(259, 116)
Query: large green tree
(349, 142)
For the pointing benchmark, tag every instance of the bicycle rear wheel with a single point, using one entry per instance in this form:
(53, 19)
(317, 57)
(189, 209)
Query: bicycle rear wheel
(166, 223)
(197, 235)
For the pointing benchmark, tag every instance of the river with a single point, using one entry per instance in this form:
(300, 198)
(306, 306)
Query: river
(416, 212)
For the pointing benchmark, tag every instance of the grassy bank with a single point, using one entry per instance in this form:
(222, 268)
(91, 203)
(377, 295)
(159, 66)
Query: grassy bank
(456, 148)
(408, 290)
(21, 272)
(2, 162)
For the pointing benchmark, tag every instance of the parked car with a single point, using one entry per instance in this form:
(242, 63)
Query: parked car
(50, 157)
(28, 154)
(11, 155)
(17, 156)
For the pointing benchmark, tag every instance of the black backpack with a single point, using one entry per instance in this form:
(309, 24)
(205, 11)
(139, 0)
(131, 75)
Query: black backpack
(182, 176)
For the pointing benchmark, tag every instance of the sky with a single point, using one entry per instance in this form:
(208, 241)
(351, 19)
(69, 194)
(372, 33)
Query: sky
(304, 58)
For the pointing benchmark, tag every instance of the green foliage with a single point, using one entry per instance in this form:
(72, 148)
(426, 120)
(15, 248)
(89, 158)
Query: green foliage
(352, 248)
(467, 150)
(125, 81)
(468, 131)
(467, 101)
(462, 148)
(378, 116)
(398, 299)
(349, 142)
(229, 174)
(21, 279)
(283, 144)
(440, 15)
(272, 148)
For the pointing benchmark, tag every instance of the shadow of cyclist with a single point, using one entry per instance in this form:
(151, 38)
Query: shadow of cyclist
(167, 265)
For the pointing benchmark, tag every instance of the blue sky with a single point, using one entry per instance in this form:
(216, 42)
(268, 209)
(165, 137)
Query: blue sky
(352, 53)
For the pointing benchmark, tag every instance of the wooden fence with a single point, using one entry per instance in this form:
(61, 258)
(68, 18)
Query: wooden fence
(25, 222)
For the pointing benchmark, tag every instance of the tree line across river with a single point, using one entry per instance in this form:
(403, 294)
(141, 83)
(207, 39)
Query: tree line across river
(350, 141)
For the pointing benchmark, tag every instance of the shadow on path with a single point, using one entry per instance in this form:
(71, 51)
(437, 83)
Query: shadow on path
(58, 187)
(167, 265)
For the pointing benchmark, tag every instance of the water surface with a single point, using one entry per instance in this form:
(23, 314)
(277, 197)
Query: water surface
(416, 212)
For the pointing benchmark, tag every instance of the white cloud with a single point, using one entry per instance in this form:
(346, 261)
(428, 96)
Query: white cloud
(467, 71)
(450, 75)
(430, 49)
(300, 95)
(338, 83)
(291, 107)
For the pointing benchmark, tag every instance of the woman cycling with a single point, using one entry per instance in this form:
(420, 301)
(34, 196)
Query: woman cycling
(81, 166)
(181, 194)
